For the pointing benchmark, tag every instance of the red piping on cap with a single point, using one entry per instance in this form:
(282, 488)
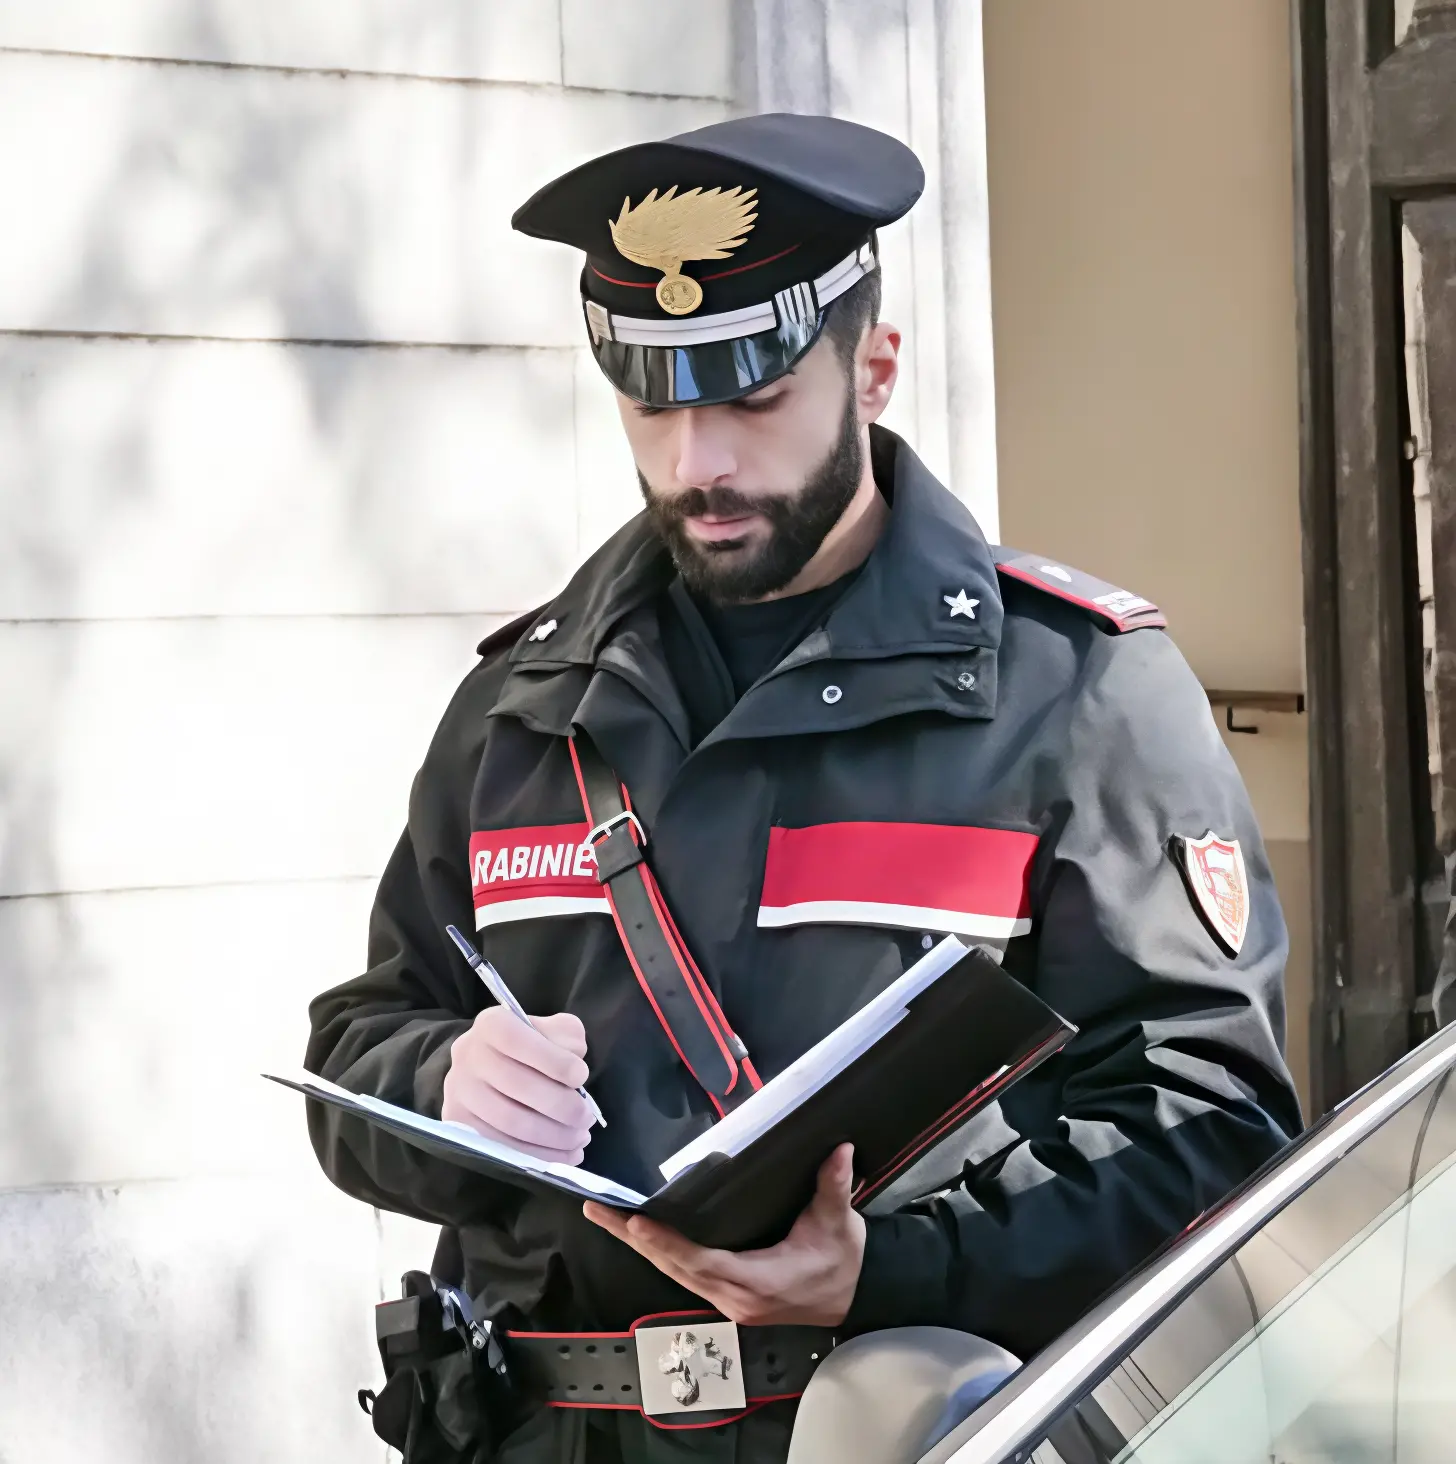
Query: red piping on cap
(722, 274)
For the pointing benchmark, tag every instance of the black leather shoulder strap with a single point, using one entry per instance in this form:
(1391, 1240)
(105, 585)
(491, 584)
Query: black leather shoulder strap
(682, 1000)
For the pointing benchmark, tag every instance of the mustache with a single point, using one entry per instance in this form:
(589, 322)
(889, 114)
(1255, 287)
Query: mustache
(719, 500)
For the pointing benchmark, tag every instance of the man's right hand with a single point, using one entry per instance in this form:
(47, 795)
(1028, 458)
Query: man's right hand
(517, 1085)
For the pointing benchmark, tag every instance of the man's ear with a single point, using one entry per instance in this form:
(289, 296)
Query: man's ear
(876, 370)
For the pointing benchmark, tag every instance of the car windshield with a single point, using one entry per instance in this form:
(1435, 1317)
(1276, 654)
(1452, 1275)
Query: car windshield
(1326, 1334)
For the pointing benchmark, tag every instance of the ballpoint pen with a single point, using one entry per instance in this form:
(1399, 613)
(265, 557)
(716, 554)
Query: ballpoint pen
(503, 994)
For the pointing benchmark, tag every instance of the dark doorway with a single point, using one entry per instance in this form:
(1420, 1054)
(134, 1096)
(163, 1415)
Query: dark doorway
(1375, 85)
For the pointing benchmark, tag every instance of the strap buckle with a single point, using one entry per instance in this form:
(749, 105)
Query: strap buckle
(690, 1367)
(459, 1316)
(598, 832)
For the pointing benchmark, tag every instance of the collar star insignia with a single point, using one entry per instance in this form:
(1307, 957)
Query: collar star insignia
(961, 605)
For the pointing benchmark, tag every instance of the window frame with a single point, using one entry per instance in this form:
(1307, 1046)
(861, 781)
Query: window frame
(1016, 1417)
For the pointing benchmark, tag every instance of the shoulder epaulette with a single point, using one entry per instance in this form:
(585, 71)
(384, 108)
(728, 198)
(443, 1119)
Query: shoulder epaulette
(507, 635)
(1119, 610)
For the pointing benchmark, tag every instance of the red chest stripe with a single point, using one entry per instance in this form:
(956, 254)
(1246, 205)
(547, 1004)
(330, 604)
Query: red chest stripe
(940, 877)
(521, 874)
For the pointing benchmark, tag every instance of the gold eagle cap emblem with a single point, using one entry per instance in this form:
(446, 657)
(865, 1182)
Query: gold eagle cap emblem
(662, 233)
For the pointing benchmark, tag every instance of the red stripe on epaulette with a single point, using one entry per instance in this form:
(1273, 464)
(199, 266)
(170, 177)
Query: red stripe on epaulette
(1120, 610)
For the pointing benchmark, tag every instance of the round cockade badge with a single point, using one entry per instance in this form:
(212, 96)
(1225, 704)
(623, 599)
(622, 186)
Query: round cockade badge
(679, 294)
(832, 694)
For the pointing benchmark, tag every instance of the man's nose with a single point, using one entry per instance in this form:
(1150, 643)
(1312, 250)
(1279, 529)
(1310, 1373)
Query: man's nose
(704, 455)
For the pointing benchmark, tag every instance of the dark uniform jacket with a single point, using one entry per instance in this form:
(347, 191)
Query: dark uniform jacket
(1026, 728)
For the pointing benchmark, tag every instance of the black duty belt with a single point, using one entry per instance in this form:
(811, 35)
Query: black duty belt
(681, 1369)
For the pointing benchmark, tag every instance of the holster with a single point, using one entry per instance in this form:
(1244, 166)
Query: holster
(447, 1397)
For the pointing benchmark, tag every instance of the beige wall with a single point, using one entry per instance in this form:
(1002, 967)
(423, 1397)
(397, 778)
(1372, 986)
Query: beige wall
(1140, 164)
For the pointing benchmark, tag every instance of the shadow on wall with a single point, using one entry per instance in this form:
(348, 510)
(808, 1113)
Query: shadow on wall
(146, 479)
(163, 504)
(187, 1323)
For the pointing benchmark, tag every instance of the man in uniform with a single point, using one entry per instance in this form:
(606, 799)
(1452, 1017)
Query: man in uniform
(846, 725)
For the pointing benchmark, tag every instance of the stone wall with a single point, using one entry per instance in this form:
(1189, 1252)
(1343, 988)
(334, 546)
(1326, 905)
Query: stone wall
(289, 419)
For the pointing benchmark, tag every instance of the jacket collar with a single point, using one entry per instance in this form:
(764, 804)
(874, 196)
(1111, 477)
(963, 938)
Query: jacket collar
(631, 568)
(898, 646)
(931, 552)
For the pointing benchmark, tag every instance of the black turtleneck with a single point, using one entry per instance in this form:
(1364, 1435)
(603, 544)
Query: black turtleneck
(716, 652)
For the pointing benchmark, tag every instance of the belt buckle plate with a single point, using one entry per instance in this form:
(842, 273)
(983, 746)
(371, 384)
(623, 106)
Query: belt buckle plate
(690, 1367)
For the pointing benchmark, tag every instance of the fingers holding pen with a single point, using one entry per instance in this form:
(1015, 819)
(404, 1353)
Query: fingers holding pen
(534, 1090)
(488, 1110)
(564, 1029)
(555, 1046)
(517, 1084)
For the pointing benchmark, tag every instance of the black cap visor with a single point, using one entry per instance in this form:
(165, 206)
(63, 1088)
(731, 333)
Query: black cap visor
(707, 374)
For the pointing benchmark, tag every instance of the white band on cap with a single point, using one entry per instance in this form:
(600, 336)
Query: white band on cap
(795, 301)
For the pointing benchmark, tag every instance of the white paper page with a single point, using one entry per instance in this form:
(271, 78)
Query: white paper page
(598, 1184)
(466, 1138)
(825, 1060)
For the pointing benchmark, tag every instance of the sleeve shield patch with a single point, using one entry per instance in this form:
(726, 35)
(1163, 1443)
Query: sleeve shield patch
(1213, 870)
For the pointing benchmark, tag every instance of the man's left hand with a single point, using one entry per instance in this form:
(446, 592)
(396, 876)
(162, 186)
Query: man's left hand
(807, 1279)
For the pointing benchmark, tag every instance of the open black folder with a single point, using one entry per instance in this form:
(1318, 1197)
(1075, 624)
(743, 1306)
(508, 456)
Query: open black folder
(919, 1060)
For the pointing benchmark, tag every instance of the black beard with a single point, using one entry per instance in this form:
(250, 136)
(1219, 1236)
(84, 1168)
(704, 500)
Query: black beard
(727, 573)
